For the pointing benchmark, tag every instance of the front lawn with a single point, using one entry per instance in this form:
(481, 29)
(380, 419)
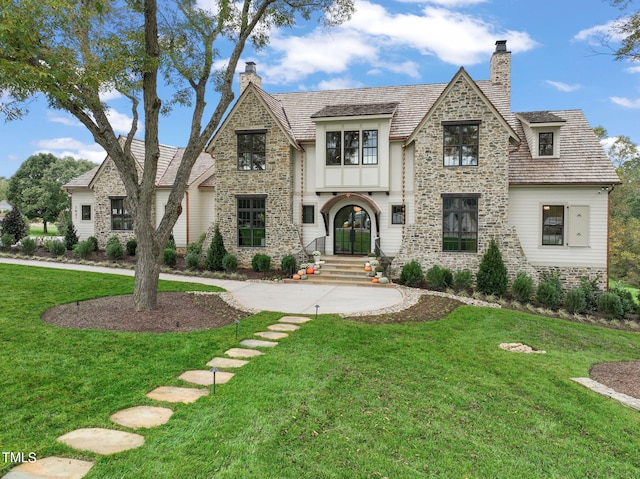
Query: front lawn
(337, 399)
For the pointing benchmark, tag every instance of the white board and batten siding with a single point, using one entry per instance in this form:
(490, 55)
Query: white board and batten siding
(585, 224)
(180, 228)
(84, 228)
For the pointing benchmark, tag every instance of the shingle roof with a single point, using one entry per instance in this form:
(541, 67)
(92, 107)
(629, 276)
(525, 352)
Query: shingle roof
(331, 111)
(540, 117)
(582, 159)
(168, 162)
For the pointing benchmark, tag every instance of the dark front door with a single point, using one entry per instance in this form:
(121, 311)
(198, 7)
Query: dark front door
(352, 231)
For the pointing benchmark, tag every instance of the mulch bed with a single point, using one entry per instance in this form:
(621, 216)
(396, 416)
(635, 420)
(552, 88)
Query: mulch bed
(621, 377)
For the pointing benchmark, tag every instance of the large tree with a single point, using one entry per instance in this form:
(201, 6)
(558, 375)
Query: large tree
(72, 50)
(36, 188)
(628, 28)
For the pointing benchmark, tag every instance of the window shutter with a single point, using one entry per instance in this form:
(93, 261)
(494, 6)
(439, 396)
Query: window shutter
(578, 226)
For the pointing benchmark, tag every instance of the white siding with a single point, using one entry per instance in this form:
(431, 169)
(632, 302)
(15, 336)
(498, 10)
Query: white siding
(525, 213)
(201, 211)
(84, 228)
(180, 228)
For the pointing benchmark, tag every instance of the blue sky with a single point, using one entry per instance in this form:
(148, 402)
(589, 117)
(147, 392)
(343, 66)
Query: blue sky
(558, 62)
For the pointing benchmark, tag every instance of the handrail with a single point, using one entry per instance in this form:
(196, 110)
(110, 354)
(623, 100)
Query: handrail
(318, 244)
(385, 262)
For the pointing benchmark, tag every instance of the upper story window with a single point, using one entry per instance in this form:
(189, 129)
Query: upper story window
(461, 144)
(120, 218)
(545, 144)
(353, 147)
(252, 150)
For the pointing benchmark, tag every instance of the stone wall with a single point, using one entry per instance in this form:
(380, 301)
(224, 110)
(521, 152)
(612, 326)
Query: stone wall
(275, 181)
(489, 179)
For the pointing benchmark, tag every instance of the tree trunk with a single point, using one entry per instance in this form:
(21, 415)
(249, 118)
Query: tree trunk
(44, 226)
(145, 289)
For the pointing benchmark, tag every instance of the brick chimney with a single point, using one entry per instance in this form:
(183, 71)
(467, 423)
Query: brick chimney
(249, 76)
(501, 68)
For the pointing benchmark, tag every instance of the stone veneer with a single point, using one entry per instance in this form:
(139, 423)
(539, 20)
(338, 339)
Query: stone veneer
(275, 181)
(108, 184)
(490, 179)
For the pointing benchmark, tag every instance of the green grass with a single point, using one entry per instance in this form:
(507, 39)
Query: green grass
(634, 290)
(337, 399)
(37, 229)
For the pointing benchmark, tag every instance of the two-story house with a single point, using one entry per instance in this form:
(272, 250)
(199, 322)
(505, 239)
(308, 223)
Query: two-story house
(427, 172)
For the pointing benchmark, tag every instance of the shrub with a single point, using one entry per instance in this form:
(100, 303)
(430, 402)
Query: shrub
(57, 248)
(439, 278)
(114, 249)
(575, 301)
(169, 257)
(83, 249)
(192, 260)
(171, 243)
(216, 251)
(194, 247)
(230, 262)
(93, 242)
(288, 265)
(492, 273)
(131, 246)
(28, 246)
(7, 240)
(15, 225)
(610, 305)
(261, 262)
(463, 280)
(626, 298)
(522, 287)
(70, 236)
(411, 274)
(591, 292)
(63, 220)
(549, 292)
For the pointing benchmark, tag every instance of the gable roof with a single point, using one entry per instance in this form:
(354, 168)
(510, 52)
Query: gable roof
(582, 159)
(168, 162)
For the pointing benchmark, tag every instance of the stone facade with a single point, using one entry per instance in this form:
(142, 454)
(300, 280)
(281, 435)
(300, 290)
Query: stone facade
(108, 185)
(489, 179)
(275, 181)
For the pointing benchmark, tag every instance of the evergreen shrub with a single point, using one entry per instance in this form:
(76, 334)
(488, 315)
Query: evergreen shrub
(575, 301)
(610, 305)
(216, 251)
(114, 249)
(522, 287)
(261, 262)
(230, 263)
(131, 246)
(463, 280)
(57, 248)
(28, 246)
(439, 278)
(411, 274)
(169, 257)
(492, 273)
(288, 265)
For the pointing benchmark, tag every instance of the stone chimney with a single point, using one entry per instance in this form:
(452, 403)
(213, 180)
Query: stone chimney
(249, 76)
(501, 68)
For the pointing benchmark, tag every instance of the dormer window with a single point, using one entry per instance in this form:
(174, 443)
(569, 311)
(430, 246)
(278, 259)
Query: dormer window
(352, 147)
(545, 144)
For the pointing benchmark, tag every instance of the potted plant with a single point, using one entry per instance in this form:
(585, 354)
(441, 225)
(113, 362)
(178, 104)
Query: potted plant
(316, 256)
(379, 271)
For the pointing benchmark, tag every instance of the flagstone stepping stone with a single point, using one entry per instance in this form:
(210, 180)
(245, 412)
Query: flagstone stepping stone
(271, 335)
(142, 416)
(294, 319)
(258, 343)
(51, 468)
(205, 377)
(226, 363)
(175, 394)
(283, 327)
(101, 441)
(242, 353)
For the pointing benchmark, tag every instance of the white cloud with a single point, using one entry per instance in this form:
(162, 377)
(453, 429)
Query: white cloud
(66, 146)
(564, 87)
(599, 34)
(339, 84)
(447, 3)
(626, 102)
(55, 117)
(634, 69)
(109, 94)
(120, 122)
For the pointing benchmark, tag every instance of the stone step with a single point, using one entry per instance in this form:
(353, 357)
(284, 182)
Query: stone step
(341, 270)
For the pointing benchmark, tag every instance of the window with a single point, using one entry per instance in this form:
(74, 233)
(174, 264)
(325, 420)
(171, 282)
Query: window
(346, 148)
(251, 150)
(120, 218)
(397, 214)
(553, 225)
(545, 144)
(308, 214)
(251, 221)
(370, 147)
(461, 144)
(86, 213)
(460, 223)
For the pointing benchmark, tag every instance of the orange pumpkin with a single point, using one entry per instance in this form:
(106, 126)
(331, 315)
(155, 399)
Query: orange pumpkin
(374, 280)
(296, 276)
(310, 270)
(367, 268)
(302, 271)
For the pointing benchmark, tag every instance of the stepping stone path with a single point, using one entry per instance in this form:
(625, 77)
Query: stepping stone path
(142, 416)
(102, 441)
(109, 441)
(51, 468)
(205, 378)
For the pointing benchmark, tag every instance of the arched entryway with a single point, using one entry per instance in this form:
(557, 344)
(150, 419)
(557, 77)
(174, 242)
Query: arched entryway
(352, 231)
